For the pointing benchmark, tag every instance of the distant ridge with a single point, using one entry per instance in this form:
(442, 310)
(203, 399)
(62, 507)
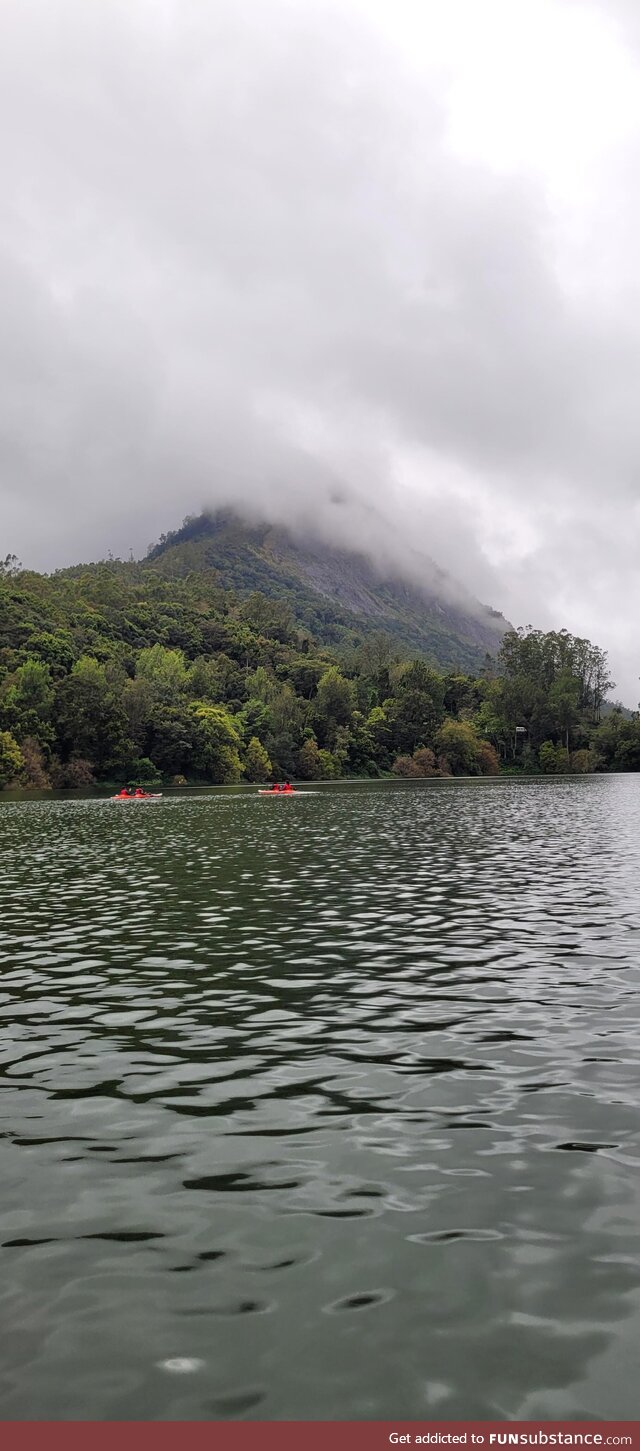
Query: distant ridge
(338, 595)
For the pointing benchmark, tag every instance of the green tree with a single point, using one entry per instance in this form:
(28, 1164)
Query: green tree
(553, 680)
(263, 686)
(171, 738)
(303, 674)
(553, 758)
(55, 649)
(257, 766)
(269, 616)
(330, 765)
(361, 747)
(11, 759)
(459, 746)
(220, 680)
(216, 750)
(616, 742)
(333, 706)
(461, 694)
(91, 722)
(165, 671)
(564, 702)
(379, 729)
(374, 660)
(308, 763)
(256, 720)
(285, 735)
(145, 773)
(10, 566)
(417, 710)
(27, 702)
(491, 720)
(139, 704)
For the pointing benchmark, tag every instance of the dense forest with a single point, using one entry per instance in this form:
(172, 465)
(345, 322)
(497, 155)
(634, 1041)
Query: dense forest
(113, 673)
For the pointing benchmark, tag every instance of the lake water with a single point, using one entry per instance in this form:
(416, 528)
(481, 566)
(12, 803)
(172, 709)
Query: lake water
(322, 1108)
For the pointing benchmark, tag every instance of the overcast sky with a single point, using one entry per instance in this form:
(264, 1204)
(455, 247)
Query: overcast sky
(374, 262)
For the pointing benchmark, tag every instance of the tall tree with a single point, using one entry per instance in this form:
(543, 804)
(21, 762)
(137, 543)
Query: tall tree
(11, 759)
(26, 702)
(90, 718)
(257, 766)
(333, 706)
(217, 743)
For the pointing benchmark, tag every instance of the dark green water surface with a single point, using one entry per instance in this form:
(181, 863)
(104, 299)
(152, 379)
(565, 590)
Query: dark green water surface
(322, 1108)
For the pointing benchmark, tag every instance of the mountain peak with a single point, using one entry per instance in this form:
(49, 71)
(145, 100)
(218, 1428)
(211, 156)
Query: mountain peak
(337, 592)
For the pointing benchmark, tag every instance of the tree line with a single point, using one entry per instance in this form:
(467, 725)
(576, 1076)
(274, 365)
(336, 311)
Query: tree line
(112, 673)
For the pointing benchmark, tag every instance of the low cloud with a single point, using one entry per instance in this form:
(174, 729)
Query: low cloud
(281, 255)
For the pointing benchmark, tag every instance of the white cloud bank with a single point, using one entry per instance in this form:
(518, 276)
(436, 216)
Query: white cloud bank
(259, 248)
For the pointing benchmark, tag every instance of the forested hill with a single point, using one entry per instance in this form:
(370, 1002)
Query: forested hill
(337, 595)
(155, 671)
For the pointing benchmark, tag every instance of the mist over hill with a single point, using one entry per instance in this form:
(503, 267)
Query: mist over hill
(336, 593)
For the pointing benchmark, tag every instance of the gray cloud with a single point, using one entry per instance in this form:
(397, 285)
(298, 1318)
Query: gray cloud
(240, 257)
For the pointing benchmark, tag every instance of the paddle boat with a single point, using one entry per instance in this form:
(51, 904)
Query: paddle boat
(137, 796)
(279, 791)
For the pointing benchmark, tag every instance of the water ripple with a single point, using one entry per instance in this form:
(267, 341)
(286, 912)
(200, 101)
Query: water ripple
(387, 1039)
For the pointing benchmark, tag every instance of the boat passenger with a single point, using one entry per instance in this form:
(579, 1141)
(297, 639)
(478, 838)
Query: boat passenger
(276, 786)
(287, 786)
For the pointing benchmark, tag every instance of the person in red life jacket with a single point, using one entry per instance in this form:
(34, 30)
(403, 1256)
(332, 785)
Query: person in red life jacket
(276, 786)
(139, 791)
(123, 792)
(287, 786)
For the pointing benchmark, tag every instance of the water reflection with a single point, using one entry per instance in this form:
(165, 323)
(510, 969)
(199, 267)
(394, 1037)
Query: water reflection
(337, 1104)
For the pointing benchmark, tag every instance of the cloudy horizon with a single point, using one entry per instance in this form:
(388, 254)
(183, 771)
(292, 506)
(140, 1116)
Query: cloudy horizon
(287, 253)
